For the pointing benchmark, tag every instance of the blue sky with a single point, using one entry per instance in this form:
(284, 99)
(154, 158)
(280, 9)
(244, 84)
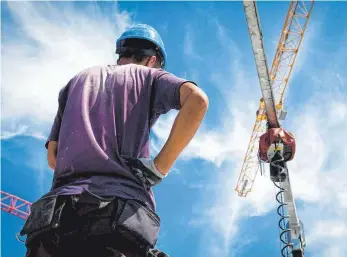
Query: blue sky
(45, 44)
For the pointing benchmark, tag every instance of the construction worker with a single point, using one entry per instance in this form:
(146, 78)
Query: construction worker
(101, 202)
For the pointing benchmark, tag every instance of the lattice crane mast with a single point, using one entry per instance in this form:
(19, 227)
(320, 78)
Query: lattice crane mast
(282, 66)
(15, 205)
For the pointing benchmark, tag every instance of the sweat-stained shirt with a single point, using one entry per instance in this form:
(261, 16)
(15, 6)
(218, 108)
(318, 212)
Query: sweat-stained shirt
(104, 112)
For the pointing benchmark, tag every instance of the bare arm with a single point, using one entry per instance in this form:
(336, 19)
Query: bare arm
(194, 104)
(52, 154)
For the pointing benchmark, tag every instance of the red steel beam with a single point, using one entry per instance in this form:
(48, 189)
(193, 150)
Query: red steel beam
(15, 205)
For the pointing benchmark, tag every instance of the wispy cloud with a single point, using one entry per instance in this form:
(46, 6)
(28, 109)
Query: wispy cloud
(318, 173)
(49, 44)
(20, 130)
(188, 47)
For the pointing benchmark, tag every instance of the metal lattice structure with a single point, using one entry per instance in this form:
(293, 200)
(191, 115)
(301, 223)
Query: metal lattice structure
(15, 205)
(288, 47)
(290, 41)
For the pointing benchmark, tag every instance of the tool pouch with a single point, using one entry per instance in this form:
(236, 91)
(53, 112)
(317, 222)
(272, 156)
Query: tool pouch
(45, 214)
(137, 223)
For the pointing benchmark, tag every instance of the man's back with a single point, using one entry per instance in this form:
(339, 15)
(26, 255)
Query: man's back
(104, 113)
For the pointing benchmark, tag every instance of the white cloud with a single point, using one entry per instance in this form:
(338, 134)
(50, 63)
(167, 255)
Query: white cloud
(188, 47)
(318, 172)
(49, 44)
(21, 130)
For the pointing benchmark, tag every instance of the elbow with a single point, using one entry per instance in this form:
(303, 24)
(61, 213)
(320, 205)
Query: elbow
(201, 99)
(51, 165)
(194, 97)
(205, 101)
(51, 162)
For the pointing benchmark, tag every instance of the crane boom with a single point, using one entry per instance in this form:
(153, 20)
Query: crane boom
(288, 47)
(250, 165)
(282, 66)
(260, 60)
(15, 205)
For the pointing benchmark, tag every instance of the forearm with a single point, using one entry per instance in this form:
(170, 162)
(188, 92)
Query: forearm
(52, 154)
(183, 130)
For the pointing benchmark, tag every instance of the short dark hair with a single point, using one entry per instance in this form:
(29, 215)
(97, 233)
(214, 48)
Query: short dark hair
(136, 45)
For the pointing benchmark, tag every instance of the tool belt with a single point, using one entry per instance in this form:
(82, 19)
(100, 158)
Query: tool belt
(129, 218)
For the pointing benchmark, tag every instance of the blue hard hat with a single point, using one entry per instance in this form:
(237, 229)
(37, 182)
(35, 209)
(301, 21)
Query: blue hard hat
(144, 31)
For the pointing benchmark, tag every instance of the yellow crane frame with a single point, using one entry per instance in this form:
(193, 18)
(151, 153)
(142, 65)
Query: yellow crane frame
(288, 46)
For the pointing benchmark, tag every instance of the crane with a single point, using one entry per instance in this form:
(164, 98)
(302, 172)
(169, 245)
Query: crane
(15, 205)
(279, 148)
(282, 66)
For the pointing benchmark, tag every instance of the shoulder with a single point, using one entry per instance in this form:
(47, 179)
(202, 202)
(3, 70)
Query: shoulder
(81, 76)
(93, 70)
(161, 72)
(163, 76)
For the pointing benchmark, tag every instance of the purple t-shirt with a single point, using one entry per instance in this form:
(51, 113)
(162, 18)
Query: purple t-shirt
(105, 112)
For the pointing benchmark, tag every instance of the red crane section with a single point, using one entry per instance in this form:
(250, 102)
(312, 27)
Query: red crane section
(15, 205)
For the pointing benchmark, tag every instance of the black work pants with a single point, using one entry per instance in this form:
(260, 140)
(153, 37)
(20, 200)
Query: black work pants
(97, 246)
(80, 227)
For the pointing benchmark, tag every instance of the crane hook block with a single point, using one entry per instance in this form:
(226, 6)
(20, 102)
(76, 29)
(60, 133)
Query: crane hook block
(276, 140)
